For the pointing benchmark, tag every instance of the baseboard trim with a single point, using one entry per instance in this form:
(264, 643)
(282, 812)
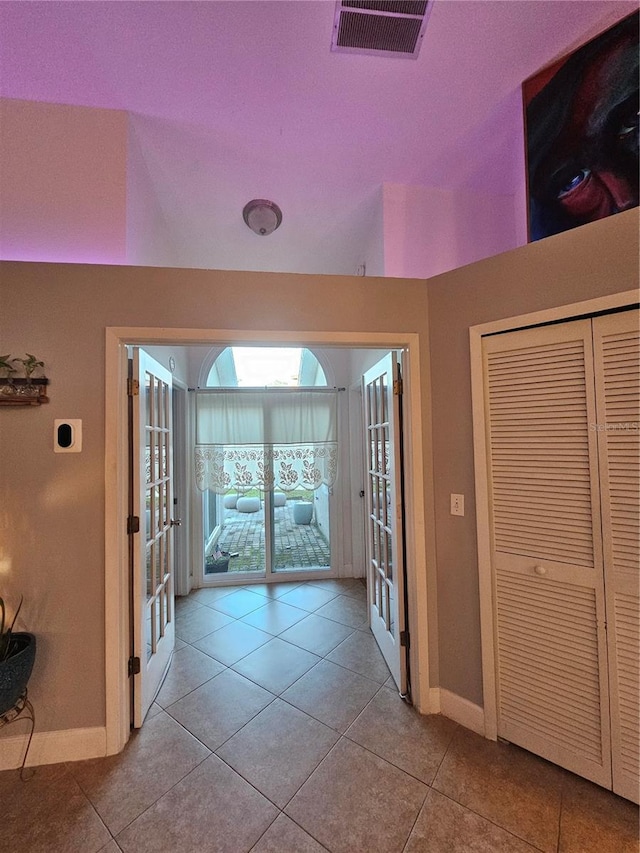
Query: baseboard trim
(456, 708)
(79, 744)
(434, 700)
(53, 747)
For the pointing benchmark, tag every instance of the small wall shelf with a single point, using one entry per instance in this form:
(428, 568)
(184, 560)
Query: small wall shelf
(23, 392)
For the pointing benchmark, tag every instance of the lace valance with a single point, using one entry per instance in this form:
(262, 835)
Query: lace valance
(278, 440)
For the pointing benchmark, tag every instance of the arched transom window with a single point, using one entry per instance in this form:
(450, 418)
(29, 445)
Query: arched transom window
(266, 367)
(266, 419)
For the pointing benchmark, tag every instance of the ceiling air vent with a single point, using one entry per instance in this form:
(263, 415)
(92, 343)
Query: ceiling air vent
(380, 27)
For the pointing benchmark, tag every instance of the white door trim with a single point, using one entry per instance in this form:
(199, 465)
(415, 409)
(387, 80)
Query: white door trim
(181, 488)
(476, 333)
(116, 570)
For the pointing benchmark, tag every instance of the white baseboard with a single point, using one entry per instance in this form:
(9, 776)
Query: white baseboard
(458, 709)
(80, 744)
(434, 700)
(53, 747)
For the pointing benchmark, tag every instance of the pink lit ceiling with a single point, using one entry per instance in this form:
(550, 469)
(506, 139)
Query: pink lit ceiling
(235, 100)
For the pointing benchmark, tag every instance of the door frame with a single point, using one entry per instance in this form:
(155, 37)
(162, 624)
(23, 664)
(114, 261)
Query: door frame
(182, 547)
(419, 487)
(563, 313)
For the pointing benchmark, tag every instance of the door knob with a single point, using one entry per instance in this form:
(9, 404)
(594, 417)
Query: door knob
(540, 570)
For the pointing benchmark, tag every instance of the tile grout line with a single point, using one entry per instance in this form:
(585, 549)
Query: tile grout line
(483, 817)
(560, 814)
(413, 825)
(341, 735)
(279, 695)
(89, 801)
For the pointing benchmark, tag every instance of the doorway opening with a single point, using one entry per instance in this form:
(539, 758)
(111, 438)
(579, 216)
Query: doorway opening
(116, 492)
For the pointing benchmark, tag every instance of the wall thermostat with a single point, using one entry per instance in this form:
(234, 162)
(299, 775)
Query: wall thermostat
(67, 435)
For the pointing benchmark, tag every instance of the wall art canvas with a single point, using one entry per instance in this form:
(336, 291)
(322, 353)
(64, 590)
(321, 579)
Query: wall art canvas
(581, 133)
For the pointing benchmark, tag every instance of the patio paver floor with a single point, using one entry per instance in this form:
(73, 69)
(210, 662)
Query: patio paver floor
(296, 546)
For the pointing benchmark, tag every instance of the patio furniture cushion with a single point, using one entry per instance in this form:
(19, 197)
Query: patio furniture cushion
(248, 504)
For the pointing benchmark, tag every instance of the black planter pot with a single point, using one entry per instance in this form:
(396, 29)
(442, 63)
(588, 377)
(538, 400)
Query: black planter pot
(215, 566)
(16, 670)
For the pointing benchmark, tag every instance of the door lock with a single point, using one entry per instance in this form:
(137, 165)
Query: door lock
(175, 522)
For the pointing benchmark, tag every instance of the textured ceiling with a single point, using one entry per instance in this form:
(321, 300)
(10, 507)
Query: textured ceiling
(236, 100)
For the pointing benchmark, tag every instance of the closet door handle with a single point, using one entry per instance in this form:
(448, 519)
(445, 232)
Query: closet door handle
(540, 570)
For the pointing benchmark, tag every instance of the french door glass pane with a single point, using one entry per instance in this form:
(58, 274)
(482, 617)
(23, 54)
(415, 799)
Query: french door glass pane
(148, 645)
(149, 568)
(235, 532)
(301, 535)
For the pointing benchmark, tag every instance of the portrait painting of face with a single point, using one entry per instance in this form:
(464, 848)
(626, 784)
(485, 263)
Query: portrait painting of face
(581, 123)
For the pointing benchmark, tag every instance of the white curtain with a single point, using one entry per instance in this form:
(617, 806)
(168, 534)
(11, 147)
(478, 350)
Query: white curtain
(255, 439)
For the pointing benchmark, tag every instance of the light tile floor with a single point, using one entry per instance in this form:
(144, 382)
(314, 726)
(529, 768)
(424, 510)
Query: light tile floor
(278, 730)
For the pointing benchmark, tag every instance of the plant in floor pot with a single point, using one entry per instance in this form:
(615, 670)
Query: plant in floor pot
(216, 563)
(303, 512)
(17, 655)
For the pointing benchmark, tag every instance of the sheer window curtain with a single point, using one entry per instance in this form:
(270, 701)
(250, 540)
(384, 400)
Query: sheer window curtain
(266, 440)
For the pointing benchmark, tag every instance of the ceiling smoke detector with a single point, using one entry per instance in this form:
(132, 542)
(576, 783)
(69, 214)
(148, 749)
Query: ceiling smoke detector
(380, 27)
(262, 216)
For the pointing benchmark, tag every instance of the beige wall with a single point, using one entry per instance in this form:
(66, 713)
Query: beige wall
(63, 174)
(591, 261)
(52, 505)
(428, 231)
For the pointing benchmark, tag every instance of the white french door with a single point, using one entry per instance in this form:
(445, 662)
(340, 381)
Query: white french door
(385, 551)
(153, 626)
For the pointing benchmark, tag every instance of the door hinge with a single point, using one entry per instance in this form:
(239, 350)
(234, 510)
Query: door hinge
(397, 387)
(405, 639)
(133, 667)
(133, 524)
(133, 387)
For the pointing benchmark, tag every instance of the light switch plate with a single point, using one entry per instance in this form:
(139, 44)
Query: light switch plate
(457, 504)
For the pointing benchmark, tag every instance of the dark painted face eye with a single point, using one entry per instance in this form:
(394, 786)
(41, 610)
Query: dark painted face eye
(575, 182)
(629, 127)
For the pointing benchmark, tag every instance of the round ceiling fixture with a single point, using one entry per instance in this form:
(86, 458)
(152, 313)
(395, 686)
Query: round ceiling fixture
(262, 216)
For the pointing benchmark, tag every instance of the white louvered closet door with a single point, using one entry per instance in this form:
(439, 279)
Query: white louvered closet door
(616, 348)
(551, 668)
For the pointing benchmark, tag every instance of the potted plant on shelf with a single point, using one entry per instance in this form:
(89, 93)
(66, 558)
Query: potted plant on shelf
(17, 655)
(5, 364)
(26, 390)
(29, 364)
(7, 368)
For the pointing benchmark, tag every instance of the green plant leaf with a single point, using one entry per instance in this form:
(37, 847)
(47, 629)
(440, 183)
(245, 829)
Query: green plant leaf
(6, 631)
